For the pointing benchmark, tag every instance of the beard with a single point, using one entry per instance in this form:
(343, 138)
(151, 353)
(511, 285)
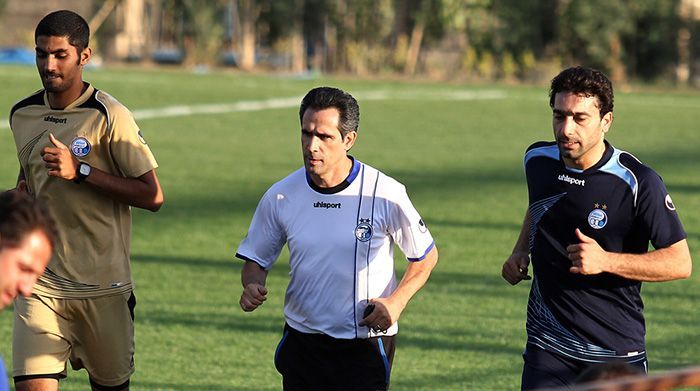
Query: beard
(54, 85)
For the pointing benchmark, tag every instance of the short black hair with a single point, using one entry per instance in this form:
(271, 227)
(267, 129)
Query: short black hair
(20, 215)
(65, 23)
(587, 82)
(321, 98)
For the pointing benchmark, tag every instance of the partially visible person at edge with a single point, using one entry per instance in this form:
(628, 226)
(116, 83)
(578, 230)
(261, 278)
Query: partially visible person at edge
(340, 219)
(82, 154)
(27, 235)
(593, 210)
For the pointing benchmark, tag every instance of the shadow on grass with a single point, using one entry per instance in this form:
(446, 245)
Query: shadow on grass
(482, 225)
(151, 385)
(218, 320)
(476, 284)
(465, 380)
(445, 340)
(453, 179)
(230, 265)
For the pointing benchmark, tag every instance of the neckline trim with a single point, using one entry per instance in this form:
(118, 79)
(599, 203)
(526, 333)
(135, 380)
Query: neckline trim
(339, 187)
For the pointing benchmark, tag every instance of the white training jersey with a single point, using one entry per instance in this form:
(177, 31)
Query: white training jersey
(340, 242)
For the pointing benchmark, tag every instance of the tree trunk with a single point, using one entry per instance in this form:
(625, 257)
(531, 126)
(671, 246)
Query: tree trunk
(414, 48)
(297, 41)
(618, 75)
(249, 12)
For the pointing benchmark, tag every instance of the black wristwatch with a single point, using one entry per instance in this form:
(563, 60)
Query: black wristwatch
(82, 172)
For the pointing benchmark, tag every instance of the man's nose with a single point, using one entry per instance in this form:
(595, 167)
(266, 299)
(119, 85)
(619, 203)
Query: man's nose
(568, 126)
(313, 143)
(50, 63)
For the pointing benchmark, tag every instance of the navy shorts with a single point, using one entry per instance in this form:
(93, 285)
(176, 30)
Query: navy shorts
(319, 362)
(543, 369)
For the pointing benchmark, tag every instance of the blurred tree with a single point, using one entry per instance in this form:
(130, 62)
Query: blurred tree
(591, 32)
(649, 45)
(523, 29)
(493, 38)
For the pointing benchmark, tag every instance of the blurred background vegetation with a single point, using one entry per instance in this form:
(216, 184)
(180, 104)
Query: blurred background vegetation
(471, 40)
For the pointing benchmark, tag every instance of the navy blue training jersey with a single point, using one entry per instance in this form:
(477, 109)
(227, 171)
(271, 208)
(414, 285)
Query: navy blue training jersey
(624, 206)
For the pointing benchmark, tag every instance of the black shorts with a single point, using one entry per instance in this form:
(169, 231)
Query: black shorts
(544, 369)
(319, 362)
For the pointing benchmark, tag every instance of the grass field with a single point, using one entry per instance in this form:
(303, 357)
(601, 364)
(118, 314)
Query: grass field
(457, 148)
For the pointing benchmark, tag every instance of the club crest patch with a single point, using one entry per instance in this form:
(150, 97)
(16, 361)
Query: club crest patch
(363, 231)
(669, 202)
(597, 218)
(80, 147)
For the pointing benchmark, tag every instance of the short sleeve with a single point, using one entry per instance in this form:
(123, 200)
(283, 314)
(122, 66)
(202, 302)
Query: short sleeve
(408, 229)
(657, 212)
(127, 145)
(265, 237)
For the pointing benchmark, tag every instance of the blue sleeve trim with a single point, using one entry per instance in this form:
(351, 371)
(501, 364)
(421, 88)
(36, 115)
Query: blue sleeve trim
(243, 257)
(425, 254)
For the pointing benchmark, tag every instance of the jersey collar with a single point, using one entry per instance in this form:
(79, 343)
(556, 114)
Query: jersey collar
(342, 185)
(607, 154)
(81, 99)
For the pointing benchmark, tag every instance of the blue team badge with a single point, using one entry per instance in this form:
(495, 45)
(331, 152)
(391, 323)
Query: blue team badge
(669, 202)
(597, 218)
(363, 231)
(80, 147)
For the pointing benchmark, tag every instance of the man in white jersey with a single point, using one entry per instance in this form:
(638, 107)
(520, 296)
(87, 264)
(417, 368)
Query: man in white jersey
(340, 219)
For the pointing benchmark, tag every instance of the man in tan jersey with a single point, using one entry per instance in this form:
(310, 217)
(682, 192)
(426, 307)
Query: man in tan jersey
(83, 155)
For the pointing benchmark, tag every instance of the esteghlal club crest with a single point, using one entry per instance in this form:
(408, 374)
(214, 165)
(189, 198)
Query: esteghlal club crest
(597, 218)
(363, 231)
(80, 147)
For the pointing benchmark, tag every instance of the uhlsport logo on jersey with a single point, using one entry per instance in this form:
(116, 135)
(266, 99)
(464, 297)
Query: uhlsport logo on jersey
(51, 118)
(327, 205)
(571, 181)
(80, 147)
(363, 231)
(669, 202)
(597, 218)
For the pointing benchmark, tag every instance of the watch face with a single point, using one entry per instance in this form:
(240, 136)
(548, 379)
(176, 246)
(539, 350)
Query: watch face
(85, 169)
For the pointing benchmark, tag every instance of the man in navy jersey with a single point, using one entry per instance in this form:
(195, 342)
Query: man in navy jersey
(593, 210)
(340, 219)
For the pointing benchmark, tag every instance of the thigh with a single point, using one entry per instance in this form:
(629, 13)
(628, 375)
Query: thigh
(301, 362)
(543, 369)
(40, 339)
(104, 338)
(367, 366)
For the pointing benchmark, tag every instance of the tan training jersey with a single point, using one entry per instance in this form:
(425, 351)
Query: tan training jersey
(92, 254)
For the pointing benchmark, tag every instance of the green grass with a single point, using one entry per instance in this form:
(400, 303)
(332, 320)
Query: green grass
(462, 164)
